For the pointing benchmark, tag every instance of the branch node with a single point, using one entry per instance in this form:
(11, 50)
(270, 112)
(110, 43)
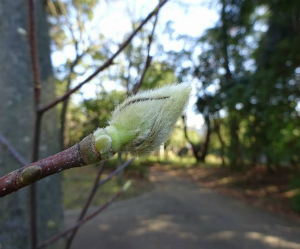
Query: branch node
(89, 154)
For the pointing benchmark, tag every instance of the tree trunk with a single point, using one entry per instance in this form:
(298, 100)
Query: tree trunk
(16, 123)
(195, 148)
(222, 149)
(253, 160)
(269, 165)
(234, 147)
(205, 147)
(234, 154)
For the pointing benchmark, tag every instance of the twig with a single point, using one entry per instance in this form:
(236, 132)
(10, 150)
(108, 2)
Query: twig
(38, 116)
(76, 156)
(83, 153)
(148, 58)
(107, 63)
(80, 223)
(20, 160)
(34, 53)
(116, 172)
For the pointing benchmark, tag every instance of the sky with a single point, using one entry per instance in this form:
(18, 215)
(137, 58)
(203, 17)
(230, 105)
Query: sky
(112, 19)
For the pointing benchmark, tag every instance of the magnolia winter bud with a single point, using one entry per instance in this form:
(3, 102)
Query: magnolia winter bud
(143, 121)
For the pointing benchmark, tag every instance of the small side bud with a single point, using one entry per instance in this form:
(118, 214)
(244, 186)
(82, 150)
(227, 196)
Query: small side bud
(30, 175)
(103, 143)
(51, 224)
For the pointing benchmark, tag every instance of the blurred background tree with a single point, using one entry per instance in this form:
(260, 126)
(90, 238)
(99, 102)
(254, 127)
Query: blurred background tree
(244, 69)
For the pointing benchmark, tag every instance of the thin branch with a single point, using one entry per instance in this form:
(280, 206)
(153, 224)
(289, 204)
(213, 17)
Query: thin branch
(148, 58)
(116, 172)
(80, 223)
(107, 63)
(38, 117)
(34, 53)
(75, 156)
(20, 160)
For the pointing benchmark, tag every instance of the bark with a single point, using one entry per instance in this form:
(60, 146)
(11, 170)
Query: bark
(16, 91)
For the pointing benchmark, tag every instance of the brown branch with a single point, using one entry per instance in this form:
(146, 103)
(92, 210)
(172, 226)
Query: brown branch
(80, 223)
(83, 153)
(32, 189)
(107, 63)
(38, 117)
(34, 53)
(20, 160)
(148, 58)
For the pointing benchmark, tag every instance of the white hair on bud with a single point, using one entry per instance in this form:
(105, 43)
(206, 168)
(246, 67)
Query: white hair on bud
(149, 117)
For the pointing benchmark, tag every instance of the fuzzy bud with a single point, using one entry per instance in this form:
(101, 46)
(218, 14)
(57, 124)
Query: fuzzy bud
(144, 121)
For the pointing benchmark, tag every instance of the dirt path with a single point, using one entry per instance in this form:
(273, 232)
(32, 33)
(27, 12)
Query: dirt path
(178, 214)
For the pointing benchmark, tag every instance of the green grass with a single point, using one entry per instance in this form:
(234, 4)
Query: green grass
(78, 182)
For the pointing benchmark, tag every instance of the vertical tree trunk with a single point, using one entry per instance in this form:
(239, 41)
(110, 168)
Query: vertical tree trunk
(205, 147)
(253, 160)
(269, 165)
(195, 148)
(234, 147)
(16, 123)
(235, 154)
(222, 149)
